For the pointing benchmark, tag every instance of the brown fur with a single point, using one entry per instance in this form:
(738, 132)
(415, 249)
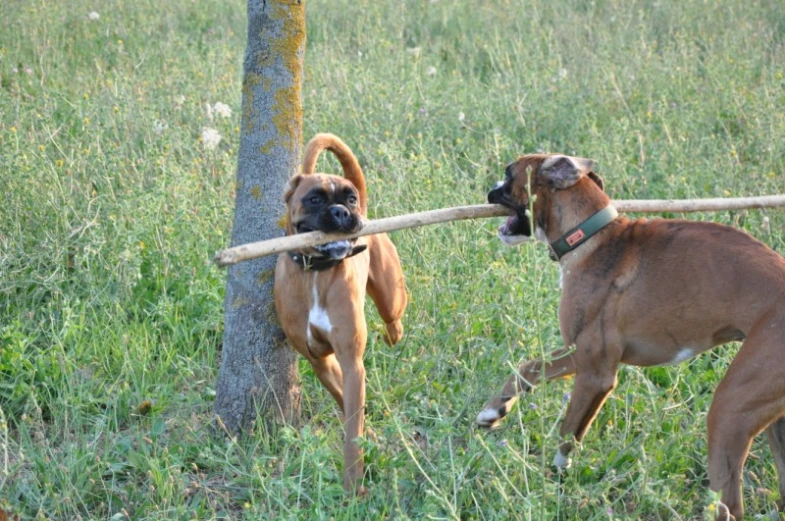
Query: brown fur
(642, 291)
(337, 354)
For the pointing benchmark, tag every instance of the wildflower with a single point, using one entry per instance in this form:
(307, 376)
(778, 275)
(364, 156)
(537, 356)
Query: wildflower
(222, 109)
(431, 71)
(179, 100)
(210, 138)
(28, 70)
(159, 127)
(93, 16)
(565, 398)
(461, 116)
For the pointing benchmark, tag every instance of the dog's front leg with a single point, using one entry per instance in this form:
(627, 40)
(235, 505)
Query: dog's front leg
(595, 378)
(776, 435)
(354, 410)
(560, 365)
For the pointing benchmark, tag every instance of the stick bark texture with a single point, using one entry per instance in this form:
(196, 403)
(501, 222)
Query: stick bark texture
(254, 250)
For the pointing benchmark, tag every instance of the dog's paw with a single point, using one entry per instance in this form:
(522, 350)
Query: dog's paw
(393, 333)
(491, 416)
(561, 461)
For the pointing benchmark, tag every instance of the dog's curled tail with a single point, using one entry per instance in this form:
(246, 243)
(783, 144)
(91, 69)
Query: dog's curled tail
(351, 167)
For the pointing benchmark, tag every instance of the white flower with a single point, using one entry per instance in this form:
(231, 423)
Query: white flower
(159, 126)
(222, 109)
(210, 138)
(179, 100)
(93, 16)
(431, 71)
(461, 116)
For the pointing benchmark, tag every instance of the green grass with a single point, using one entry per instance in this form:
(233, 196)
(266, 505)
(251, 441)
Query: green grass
(111, 210)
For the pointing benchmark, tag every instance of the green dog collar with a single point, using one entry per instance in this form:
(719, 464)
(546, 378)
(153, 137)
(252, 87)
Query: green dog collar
(583, 232)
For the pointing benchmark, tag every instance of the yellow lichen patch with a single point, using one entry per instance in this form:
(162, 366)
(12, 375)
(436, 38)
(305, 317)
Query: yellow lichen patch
(250, 82)
(264, 58)
(283, 221)
(264, 276)
(287, 109)
(265, 149)
(256, 192)
(239, 302)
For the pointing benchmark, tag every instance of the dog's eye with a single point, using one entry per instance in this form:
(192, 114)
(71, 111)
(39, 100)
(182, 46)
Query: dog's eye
(352, 200)
(315, 200)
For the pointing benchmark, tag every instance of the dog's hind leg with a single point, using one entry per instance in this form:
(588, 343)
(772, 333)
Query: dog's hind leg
(750, 397)
(386, 285)
(329, 373)
(560, 365)
(776, 435)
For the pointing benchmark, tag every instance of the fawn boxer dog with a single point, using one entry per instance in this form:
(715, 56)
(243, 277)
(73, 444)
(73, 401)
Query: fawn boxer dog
(320, 291)
(647, 293)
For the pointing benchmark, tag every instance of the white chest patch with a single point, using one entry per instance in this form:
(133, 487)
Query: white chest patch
(317, 316)
(685, 353)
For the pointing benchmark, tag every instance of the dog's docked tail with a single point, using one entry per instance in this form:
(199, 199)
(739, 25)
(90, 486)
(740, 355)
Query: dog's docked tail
(351, 167)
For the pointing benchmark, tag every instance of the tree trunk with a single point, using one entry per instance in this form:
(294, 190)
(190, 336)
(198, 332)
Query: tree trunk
(258, 371)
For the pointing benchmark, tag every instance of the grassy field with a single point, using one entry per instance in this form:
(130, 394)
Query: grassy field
(112, 206)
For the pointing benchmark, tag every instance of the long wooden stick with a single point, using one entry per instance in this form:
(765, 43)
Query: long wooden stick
(400, 222)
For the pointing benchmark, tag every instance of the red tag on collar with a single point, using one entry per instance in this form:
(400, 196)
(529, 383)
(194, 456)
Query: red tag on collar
(574, 237)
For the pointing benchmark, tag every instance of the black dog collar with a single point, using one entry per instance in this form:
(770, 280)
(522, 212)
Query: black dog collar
(583, 232)
(319, 263)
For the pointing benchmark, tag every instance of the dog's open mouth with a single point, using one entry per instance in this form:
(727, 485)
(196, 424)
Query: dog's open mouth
(516, 229)
(336, 249)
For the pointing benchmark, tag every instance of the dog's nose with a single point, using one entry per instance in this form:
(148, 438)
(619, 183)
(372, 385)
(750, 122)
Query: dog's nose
(340, 213)
(495, 195)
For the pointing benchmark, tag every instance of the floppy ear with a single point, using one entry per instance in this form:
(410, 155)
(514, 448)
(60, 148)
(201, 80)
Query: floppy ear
(564, 171)
(597, 180)
(291, 186)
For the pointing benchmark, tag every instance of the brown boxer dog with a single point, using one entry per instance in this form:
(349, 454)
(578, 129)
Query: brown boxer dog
(647, 293)
(320, 291)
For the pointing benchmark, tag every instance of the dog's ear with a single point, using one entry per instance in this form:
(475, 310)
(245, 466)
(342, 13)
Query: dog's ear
(564, 171)
(597, 180)
(291, 186)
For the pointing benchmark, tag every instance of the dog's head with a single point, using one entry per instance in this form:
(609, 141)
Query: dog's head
(540, 176)
(326, 203)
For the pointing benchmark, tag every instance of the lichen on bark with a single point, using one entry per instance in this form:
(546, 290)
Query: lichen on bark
(257, 371)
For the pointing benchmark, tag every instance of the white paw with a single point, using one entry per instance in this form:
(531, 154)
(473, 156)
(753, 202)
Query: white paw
(488, 417)
(561, 462)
